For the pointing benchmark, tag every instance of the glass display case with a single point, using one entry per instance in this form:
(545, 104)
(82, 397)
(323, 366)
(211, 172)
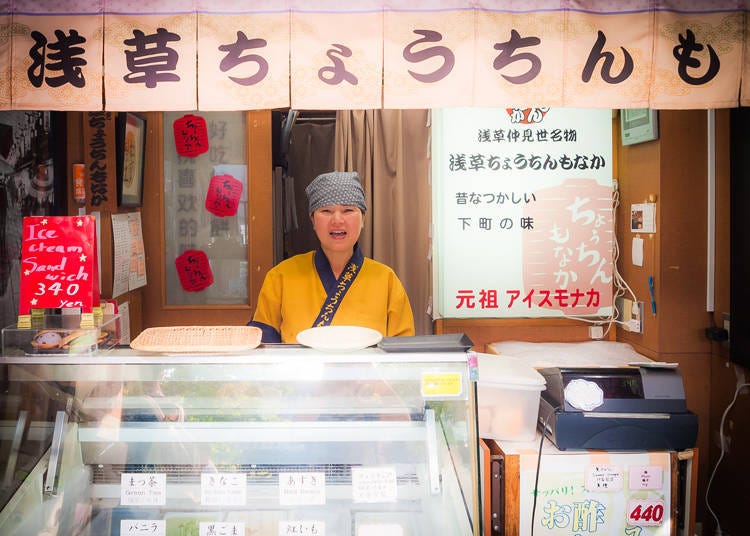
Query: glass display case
(281, 440)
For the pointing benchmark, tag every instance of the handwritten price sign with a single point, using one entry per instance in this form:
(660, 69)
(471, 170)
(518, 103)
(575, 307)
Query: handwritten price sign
(58, 263)
(646, 513)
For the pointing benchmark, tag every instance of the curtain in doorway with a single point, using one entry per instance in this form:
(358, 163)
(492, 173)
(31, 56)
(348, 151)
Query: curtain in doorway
(310, 153)
(390, 151)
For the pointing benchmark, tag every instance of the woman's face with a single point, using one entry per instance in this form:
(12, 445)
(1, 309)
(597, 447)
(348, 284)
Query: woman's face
(337, 226)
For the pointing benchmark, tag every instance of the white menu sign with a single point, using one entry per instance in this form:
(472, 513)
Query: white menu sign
(302, 528)
(144, 489)
(149, 527)
(302, 488)
(218, 489)
(217, 528)
(522, 212)
(374, 484)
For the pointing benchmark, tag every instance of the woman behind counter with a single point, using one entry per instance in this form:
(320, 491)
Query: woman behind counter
(335, 284)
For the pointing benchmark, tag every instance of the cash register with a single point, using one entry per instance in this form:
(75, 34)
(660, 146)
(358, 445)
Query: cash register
(616, 408)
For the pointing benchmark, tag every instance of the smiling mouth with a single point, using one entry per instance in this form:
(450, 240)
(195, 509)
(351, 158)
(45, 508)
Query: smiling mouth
(338, 234)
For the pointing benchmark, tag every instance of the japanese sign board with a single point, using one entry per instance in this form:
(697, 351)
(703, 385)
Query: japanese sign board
(522, 212)
(60, 54)
(597, 494)
(5, 57)
(59, 267)
(101, 186)
(373, 54)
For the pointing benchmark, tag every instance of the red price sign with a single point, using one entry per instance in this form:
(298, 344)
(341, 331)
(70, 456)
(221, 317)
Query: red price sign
(58, 263)
(190, 135)
(646, 512)
(194, 270)
(223, 197)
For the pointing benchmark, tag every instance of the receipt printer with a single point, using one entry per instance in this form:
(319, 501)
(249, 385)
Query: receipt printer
(618, 408)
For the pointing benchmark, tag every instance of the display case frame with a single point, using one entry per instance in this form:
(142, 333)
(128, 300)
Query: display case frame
(393, 436)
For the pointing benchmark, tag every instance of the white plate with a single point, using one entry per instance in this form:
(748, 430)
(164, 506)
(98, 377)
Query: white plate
(339, 338)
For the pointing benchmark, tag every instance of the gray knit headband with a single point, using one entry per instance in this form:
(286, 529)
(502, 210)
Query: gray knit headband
(335, 188)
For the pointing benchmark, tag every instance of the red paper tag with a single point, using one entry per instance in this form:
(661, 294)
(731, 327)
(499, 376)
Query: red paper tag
(190, 135)
(58, 263)
(223, 196)
(194, 270)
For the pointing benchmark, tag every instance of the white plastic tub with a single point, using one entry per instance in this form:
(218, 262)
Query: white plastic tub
(508, 393)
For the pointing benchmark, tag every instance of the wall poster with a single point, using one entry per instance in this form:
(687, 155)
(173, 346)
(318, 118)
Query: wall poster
(522, 212)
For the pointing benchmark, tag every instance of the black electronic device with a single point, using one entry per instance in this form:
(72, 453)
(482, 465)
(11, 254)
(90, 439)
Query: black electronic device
(617, 408)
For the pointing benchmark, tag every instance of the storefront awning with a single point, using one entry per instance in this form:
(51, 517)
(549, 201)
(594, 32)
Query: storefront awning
(242, 55)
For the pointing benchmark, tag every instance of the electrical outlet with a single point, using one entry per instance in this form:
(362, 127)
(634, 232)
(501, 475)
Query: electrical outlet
(596, 332)
(631, 314)
(636, 322)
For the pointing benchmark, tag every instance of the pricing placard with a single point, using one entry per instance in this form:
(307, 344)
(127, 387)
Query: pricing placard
(59, 268)
(646, 512)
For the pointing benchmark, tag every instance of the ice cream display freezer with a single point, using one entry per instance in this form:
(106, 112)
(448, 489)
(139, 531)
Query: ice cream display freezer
(282, 440)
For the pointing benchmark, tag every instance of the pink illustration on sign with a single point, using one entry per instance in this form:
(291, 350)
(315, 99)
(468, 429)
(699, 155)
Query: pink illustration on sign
(568, 253)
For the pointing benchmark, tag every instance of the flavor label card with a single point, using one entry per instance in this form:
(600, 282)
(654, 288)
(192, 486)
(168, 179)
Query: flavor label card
(296, 489)
(143, 489)
(645, 477)
(151, 527)
(219, 489)
(302, 528)
(215, 528)
(601, 477)
(374, 484)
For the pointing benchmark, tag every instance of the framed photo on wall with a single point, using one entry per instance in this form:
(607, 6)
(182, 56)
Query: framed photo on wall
(638, 125)
(131, 146)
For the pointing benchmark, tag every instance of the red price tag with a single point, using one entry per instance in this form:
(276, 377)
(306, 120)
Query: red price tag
(223, 197)
(194, 270)
(58, 263)
(646, 512)
(190, 135)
